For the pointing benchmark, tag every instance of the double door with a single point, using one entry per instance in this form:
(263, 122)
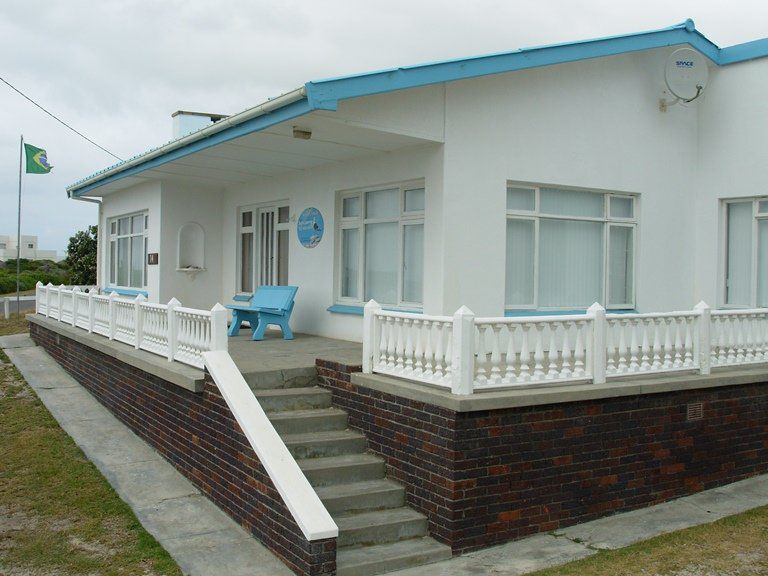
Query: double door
(264, 245)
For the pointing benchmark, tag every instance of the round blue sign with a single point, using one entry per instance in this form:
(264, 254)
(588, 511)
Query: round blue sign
(310, 227)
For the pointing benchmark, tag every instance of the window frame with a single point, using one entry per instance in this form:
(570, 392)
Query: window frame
(113, 231)
(757, 216)
(607, 220)
(403, 219)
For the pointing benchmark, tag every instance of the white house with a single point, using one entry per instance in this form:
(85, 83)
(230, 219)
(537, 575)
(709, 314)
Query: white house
(29, 249)
(518, 183)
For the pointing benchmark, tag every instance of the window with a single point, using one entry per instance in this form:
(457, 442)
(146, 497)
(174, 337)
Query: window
(746, 253)
(569, 248)
(128, 250)
(2, 246)
(263, 246)
(30, 245)
(381, 245)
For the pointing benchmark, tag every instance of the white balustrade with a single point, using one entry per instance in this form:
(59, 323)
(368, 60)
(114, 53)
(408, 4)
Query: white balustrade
(464, 353)
(181, 334)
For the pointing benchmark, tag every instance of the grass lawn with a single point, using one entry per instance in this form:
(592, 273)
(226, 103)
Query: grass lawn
(736, 545)
(58, 515)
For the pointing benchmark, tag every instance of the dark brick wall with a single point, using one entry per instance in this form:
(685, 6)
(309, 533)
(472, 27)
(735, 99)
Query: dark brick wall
(198, 434)
(488, 477)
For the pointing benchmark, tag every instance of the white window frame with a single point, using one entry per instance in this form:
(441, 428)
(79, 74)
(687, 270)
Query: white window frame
(608, 222)
(404, 219)
(114, 236)
(757, 216)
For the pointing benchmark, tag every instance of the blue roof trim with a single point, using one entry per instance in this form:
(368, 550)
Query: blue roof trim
(293, 110)
(325, 94)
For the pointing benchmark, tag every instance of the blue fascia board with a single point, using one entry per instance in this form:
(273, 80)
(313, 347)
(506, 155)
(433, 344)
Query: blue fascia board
(288, 112)
(743, 52)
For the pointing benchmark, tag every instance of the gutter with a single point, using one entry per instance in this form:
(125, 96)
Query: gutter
(230, 121)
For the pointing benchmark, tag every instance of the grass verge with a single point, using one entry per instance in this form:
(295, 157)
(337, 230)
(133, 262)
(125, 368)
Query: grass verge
(58, 515)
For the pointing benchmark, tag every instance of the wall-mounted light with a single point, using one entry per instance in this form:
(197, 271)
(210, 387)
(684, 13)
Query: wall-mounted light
(301, 133)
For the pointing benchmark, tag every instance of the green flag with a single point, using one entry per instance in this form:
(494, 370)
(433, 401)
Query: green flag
(37, 160)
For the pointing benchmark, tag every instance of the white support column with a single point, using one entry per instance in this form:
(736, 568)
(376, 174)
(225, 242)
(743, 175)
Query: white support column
(48, 300)
(463, 352)
(111, 318)
(599, 328)
(61, 291)
(219, 328)
(703, 344)
(173, 337)
(370, 345)
(91, 310)
(6, 308)
(138, 320)
(75, 292)
(38, 296)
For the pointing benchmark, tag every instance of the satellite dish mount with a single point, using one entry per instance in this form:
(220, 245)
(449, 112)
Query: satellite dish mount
(686, 75)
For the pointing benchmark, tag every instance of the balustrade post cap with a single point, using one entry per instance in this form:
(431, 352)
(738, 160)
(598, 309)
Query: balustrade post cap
(464, 311)
(49, 285)
(62, 287)
(141, 298)
(174, 302)
(218, 308)
(112, 295)
(372, 304)
(701, 306)
(75, 288)
(596, 307)
(38, 283)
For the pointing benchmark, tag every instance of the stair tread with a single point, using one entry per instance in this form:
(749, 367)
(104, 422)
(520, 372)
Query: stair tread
(355, 488)
(306, 413)
(288, 392)
(368, 560)
(333, 461)
(371, 518)
(324, 436)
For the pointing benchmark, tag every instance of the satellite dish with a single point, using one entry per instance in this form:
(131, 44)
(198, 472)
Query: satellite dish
(686, 74)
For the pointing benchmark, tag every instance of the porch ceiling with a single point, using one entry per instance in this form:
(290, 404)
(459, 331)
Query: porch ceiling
(273, 152)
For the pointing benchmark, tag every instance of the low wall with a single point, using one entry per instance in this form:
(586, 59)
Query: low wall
(486, 476)
(198, 434)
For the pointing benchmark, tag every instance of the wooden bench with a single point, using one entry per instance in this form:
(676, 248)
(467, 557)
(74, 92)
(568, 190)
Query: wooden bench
(269, 305)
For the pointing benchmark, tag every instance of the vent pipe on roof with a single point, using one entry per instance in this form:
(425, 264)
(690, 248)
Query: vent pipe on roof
(185, 122)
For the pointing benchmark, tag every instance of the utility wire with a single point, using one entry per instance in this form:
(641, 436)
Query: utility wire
(12, 87)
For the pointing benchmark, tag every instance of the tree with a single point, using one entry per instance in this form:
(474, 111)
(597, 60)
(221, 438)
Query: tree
(81, 256)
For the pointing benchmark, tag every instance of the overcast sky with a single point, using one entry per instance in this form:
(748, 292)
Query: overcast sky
(116, 70)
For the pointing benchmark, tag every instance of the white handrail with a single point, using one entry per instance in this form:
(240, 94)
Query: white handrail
(180, 334)
(465, 353)
(301, 499)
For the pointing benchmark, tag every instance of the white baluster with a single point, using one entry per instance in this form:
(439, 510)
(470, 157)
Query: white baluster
(634, 364)
(678, 342)
(418, 355)
(565, 357)
(657, 345)
(645, 359)
(538, 355)
(440, 373)
(495, 330)
(511, 357)
(408, 351)
(481, 374)
(579, 351)
(668, 357)
(610, 358)
(525, 371)
(622, 368)
(552, 368)
(688, 346)
(429, 360)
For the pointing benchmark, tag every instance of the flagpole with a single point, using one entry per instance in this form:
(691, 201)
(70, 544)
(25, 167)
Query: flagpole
(18, 231)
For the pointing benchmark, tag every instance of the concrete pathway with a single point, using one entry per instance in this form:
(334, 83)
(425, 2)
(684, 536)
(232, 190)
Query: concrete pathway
(203, 540)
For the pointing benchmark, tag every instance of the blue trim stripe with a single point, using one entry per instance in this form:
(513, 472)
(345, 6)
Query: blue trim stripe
(544, 312)
(358, 310)
(325, 94)
(125, 291)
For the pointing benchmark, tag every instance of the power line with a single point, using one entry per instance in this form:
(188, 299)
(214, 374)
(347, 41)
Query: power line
(12, 87)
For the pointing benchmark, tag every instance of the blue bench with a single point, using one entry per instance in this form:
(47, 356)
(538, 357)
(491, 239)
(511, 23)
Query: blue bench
(268, 305)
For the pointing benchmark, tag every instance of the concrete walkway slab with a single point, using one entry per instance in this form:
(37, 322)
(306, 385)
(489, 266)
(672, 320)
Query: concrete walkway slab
(201, 538)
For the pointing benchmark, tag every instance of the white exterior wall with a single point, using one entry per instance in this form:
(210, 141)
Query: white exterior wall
(312, 269)
(733, 162)
(593, 124)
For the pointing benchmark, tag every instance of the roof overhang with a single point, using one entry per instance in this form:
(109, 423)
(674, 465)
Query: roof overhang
(325, 94)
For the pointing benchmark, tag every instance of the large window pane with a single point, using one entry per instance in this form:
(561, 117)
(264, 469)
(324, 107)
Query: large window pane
(382, 203)
(621, 207)
(762, 266)
(520, 262)
(282, 257)
(351, 207)
(413, 262)
(123, 247)
(137, 261)
(739, 268)
(572, 203)
(137, 224)
(620, 268)
(521, 199)
(571, 263)
(381, 262)
(112, 261)
(246, 262)
(350, 262)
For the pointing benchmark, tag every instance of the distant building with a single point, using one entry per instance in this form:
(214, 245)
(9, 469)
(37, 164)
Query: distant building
(29, 249)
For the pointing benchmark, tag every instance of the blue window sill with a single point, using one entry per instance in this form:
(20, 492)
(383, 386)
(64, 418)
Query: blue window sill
(519, 313)
(358, 310)
(125, 291)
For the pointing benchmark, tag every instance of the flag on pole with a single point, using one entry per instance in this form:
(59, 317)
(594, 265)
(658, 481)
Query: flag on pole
(37, 160)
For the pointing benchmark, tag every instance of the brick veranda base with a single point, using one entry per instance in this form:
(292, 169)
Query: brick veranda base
(199, 436)
(487, 477)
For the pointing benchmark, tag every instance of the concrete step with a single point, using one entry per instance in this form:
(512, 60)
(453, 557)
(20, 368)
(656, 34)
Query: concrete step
(379, 526)
(308, 421)
(342, 469)
(359, 496)
(320, 444)
(287, 378)
(369, 560)
(284, 399)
